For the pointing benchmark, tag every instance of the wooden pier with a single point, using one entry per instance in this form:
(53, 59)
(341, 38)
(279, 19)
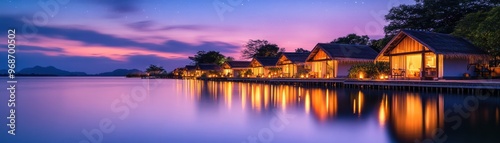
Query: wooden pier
(443, 86)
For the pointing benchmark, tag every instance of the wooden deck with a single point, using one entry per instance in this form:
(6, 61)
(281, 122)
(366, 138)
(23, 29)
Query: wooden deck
(450, 86)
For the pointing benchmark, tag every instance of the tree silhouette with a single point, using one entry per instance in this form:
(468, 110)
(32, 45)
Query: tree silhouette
(210, 57)
(258, 47)
(352, 39)
(155, 70)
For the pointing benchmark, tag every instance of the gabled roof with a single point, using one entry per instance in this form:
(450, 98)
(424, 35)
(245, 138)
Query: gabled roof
(438, 43)
(347, 52)
(266, 61)
(190, 67)
(207, 67)
(238, 64)
(295, 57)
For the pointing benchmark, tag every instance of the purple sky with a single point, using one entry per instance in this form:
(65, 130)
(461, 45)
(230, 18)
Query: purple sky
(96, 36)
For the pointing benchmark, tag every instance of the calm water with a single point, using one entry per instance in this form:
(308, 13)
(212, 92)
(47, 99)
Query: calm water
(119, 110)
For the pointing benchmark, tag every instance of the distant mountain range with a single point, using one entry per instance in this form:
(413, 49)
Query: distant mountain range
(53, 71)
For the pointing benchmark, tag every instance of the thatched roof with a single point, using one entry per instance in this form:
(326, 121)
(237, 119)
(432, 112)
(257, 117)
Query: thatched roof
(266, 61)
(439, 43)
(237, 64)
(344, 52)
(295, 57)
(208, 67)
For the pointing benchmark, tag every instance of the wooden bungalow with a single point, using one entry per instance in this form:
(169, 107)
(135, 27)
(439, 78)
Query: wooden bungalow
(292, 63)
(189, 71)
(210, 70)
(329, 60)
(264, 66)
(427, 55)
(235, 68)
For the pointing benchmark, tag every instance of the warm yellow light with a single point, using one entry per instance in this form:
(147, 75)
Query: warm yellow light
(301, 76)
(269, 76)
(307, 76)
(386, 77)
(361, 75)
(381, 76)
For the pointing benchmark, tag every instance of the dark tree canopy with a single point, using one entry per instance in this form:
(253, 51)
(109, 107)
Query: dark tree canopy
(482, 29)
(352, 39)
(301, 50)
(210, 57)
(259, 47)
(155, 70)
(433, 15)
(379, 44)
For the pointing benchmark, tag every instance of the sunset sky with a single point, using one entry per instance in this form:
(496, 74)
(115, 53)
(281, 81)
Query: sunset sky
(96, 36)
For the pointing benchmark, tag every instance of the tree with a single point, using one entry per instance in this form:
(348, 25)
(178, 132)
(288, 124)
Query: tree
(210, 57)
(301, 50)
(258, 47)
(433, 15)
(481, 28)
(379, 44)
(352, 39)
(155, 70)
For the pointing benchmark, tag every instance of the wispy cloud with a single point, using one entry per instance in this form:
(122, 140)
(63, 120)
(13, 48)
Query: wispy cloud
(149, 25)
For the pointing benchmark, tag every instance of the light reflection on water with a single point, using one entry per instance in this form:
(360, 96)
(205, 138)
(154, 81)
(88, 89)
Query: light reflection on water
(207, 111)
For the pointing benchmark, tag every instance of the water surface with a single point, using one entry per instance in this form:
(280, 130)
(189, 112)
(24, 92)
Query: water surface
(79, 110)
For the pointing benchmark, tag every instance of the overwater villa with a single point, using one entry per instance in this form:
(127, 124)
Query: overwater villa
(210, 70)
(292, 63)
(264, 66)
(427, 55)
(235, 68)
(329, 60)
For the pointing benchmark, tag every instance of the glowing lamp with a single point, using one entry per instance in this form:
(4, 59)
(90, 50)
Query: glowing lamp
(361, 75)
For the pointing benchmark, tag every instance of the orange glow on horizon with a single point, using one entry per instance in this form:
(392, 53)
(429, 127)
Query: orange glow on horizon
(77, 48)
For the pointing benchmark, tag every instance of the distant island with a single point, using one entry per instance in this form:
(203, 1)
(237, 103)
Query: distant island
(53, 71)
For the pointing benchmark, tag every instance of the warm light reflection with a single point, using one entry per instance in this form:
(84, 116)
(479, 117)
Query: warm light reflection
(256, 97)
(415, 119)
(228, 93)
(307, 103)
(383, 112)
(407, 116)
(324, 104)
(243, 89)
(357, 105)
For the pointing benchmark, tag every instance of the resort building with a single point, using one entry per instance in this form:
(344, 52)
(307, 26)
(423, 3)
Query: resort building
(210, 70)
(235, 68)
(330, 60)
(264, 66)
(189, 71)
(427, 55)
(292, 63)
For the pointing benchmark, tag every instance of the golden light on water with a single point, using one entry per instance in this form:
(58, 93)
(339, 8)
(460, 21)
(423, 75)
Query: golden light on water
(228, 93)
(243, 87)
(415, 119)
(383, 111)
(357, 104)
(307, 103)
(256, 98)
(407, 116)
(324, 104)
